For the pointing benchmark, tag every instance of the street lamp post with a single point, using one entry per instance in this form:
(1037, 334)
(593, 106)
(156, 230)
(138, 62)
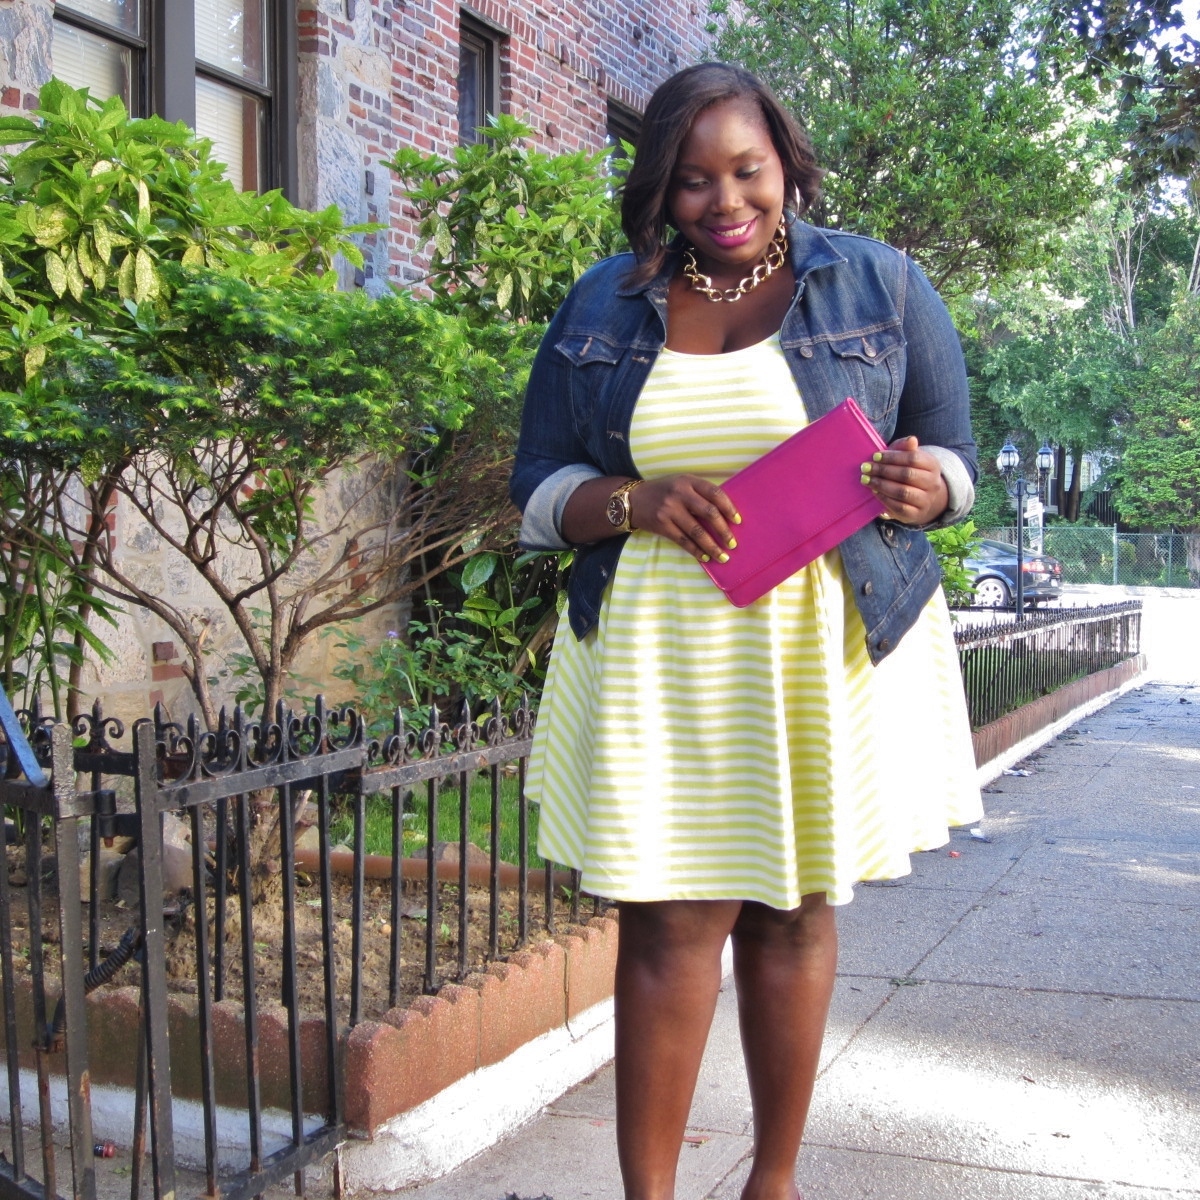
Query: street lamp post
(1008, 463)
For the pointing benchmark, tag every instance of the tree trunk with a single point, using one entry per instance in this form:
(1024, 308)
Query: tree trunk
(1060, 480)
(1191, 541)
(1076, 483)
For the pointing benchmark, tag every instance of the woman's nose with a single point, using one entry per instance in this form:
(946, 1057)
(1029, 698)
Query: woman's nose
(726, 196)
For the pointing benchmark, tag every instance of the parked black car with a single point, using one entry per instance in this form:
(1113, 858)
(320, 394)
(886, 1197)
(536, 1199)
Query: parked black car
(994, 570)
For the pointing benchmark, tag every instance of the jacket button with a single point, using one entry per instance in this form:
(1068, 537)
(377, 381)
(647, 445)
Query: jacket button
(885, 645)
(889, 535)
(806, 352)
(868, 588)
(869, 351)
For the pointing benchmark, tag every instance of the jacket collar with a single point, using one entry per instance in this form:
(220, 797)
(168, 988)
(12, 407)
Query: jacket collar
(808, 250)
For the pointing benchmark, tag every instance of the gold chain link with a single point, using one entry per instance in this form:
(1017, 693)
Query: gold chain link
(775, 257)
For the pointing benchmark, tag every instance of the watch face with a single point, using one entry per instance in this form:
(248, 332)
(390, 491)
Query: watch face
(618, 511)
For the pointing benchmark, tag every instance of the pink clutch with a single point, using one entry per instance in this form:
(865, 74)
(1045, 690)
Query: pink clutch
(797, 501)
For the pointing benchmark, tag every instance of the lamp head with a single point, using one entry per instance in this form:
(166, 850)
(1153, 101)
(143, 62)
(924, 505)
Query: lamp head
(1008, 460)
(1045, 459)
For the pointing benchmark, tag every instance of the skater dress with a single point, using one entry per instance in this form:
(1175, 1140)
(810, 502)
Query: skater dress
(688, 749)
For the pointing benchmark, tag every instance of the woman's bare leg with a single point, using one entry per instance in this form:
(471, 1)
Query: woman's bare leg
(668, 976)
(784, 965)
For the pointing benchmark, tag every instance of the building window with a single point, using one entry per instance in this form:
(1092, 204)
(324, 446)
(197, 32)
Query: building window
(226, 67)
(478, 93)
(101, 45)
(624, 124)
(233, 92)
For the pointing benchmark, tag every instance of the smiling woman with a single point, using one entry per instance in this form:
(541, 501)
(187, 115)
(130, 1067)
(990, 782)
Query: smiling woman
(720, 771)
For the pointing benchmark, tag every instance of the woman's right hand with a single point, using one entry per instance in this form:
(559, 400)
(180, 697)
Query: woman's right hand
(683, 508)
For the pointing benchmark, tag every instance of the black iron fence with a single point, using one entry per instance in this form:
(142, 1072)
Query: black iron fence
(1007, 663)
(252, 917)
(242, 789)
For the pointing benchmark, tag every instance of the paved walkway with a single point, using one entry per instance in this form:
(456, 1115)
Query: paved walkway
(1019, 1018)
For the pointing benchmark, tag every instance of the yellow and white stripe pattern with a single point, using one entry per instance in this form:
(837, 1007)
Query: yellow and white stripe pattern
(687, 749)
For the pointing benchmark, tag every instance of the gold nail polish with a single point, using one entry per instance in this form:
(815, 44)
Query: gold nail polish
(864, 479)
(737, 518)
(723, 558)
(865, 468)
(705, 558)
(733, 543)
(877, 456)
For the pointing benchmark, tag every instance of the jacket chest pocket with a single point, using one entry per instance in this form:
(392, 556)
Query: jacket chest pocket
(594, 362)
(873, 366)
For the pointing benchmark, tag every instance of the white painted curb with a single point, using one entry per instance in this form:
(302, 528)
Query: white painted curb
(478, 1110)
(112, 1120)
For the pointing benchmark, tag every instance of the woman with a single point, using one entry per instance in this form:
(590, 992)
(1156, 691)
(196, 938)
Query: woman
(727, 772)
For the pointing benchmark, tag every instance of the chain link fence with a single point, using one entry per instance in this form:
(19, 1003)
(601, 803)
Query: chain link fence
(1100, 554)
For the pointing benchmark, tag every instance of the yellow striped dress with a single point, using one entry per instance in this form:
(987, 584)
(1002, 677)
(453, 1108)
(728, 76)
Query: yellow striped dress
(687, 749)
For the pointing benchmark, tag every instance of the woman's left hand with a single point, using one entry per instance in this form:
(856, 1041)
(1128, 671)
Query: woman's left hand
(909, 481)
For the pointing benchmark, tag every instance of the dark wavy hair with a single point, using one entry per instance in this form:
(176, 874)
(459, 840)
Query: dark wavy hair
(673, 108)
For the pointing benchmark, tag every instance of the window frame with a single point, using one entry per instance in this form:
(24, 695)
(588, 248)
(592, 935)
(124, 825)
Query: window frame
(620, 121)
(484, 41)
(139, 44)
(168, 69)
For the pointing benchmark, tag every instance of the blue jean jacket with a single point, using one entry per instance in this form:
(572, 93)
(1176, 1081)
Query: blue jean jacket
(864, 322)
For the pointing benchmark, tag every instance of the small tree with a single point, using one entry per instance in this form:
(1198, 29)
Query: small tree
(1158, 480)
(181, 345)
(510, 229)
(94, 209)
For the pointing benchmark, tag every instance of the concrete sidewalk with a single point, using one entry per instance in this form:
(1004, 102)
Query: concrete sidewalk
(1019, 1018)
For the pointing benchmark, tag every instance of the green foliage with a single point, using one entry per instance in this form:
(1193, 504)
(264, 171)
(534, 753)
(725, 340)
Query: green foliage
(1139, 50)
(953, 545)
(167, 339)
(297, 379)
(442, 661)
(1159, 477)
(950, 129)
(44, 602)
(377, 831)
(511, 228)
(94, 209)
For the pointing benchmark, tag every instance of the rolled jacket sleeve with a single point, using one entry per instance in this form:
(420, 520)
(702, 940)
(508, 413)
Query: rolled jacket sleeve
(541, 523)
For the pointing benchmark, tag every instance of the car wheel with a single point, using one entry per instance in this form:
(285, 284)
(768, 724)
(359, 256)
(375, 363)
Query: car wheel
(991, 592)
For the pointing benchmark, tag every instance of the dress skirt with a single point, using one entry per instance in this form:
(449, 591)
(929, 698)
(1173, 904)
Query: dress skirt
(688, 749)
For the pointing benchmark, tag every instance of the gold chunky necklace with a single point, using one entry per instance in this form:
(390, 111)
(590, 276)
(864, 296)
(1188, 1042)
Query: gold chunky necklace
(774, 258)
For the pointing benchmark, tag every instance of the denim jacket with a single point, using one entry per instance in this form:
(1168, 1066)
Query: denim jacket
(864, 322)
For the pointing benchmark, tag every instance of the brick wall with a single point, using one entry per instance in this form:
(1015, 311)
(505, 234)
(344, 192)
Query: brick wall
(378, 74)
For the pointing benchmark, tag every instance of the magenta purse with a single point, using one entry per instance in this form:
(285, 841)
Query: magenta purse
(798, 501)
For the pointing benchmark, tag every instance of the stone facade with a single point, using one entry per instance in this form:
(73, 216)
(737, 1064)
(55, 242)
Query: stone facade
(375, 75)
(25, 29)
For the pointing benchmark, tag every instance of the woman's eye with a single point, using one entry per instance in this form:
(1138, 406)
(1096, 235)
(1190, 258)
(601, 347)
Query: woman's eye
(691, 185)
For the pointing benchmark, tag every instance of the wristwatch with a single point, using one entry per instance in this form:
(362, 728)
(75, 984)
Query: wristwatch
(618, 510)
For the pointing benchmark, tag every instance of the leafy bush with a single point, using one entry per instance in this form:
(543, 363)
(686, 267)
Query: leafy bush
(511, 228)
(953, 546)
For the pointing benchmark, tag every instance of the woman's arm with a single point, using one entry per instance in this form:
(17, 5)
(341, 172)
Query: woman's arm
(681, 508)
(927, 474)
